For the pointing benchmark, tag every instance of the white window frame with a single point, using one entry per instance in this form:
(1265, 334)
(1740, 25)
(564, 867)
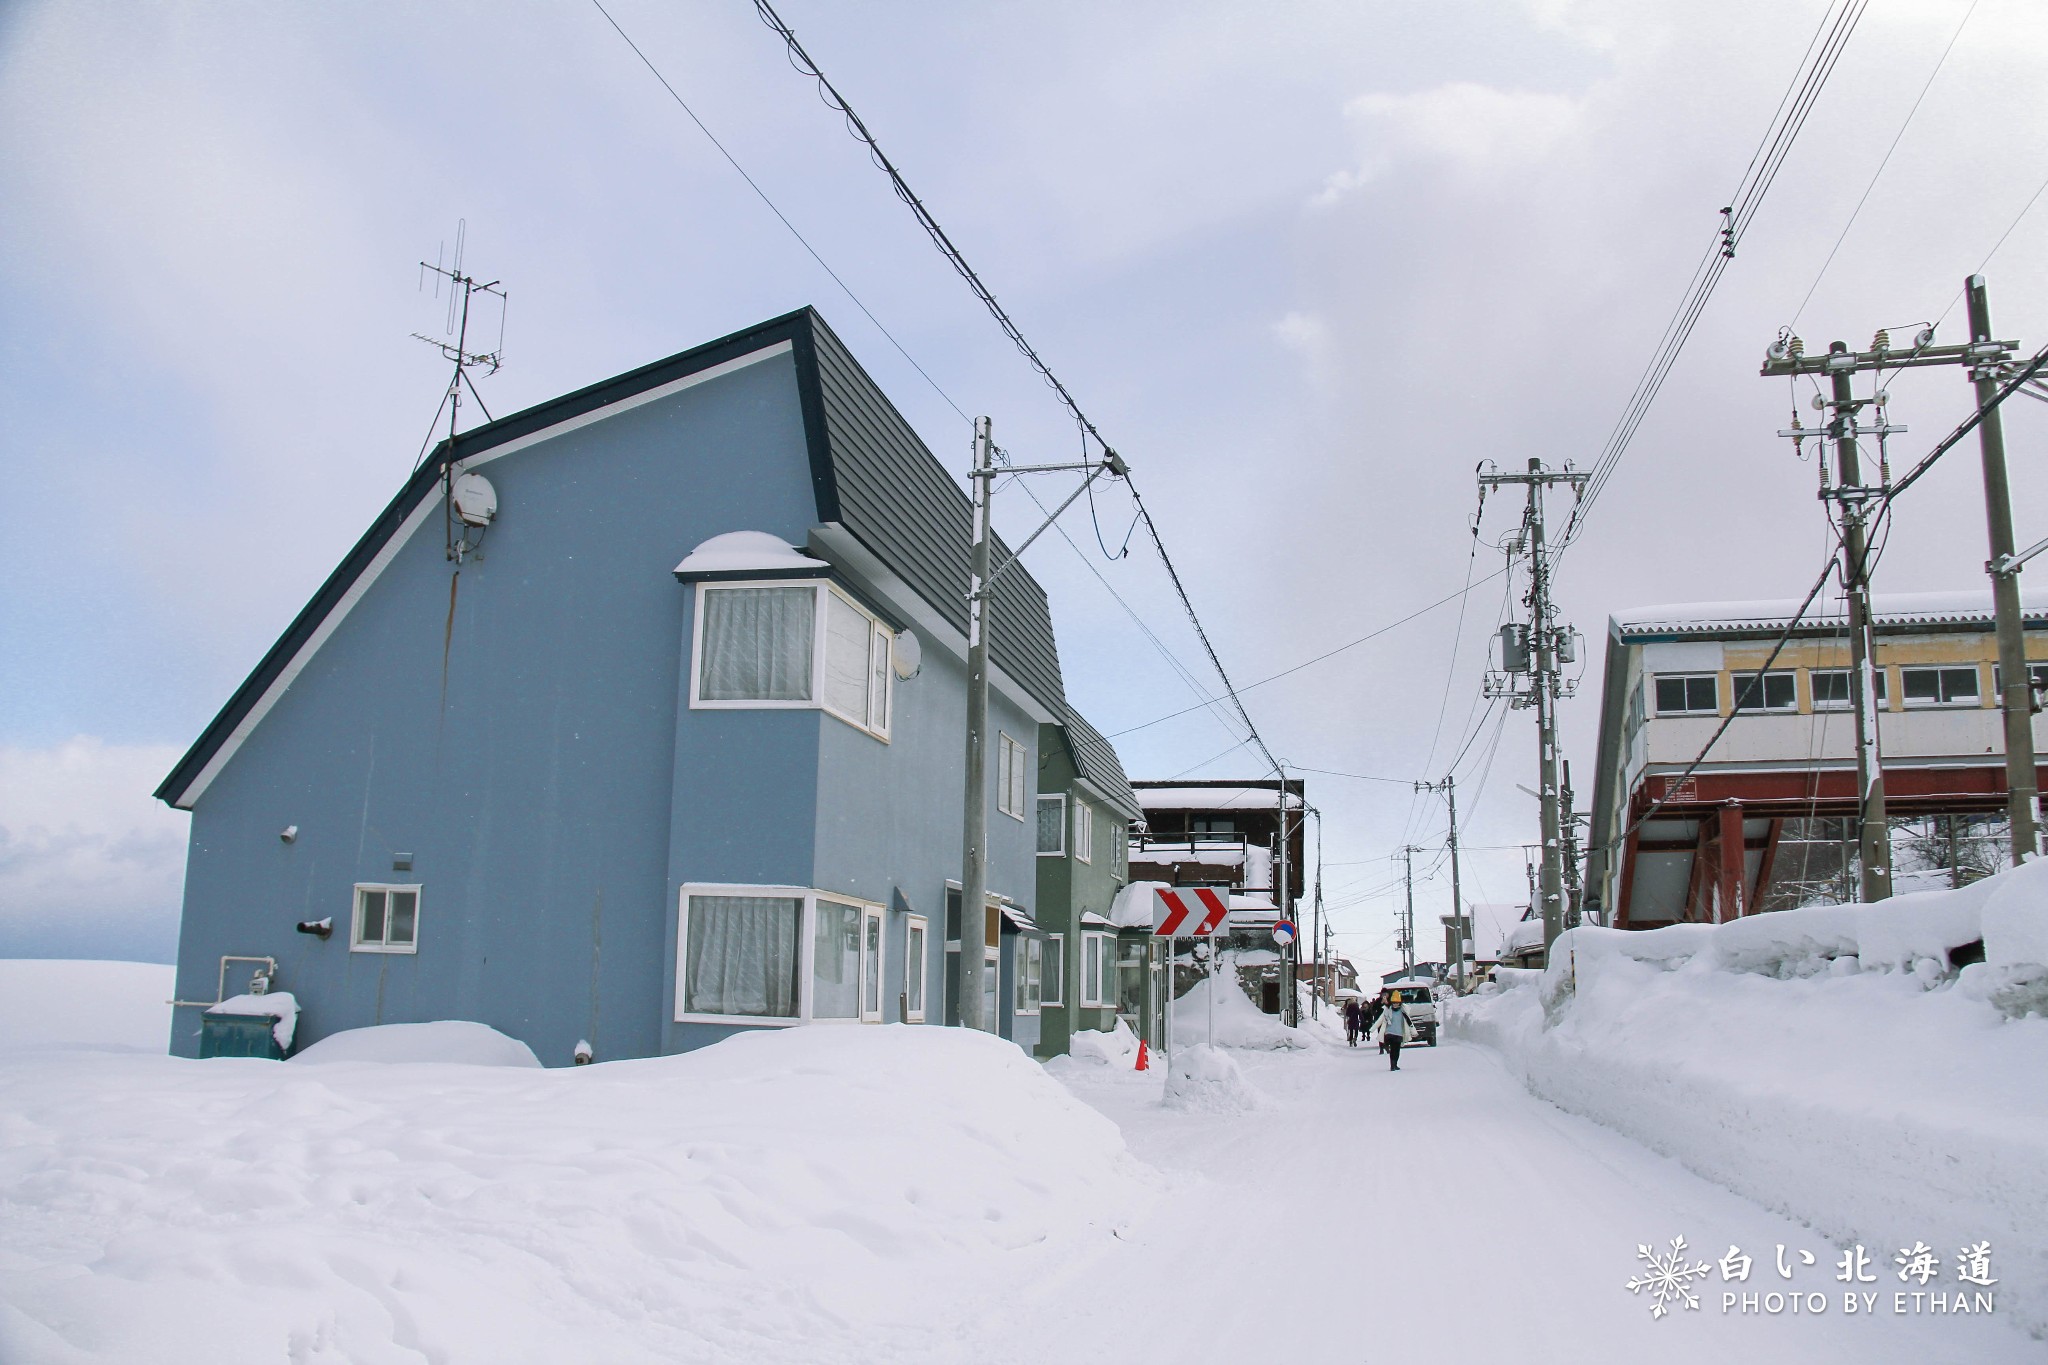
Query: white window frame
(917, 947)
(1102, 948)
(1737, 680)
(1059, 800)
(874, 959)
(1656, 708)
(1975, 700)
(1119, 850)
(807, 933)
(1084, 831)
(1029, 985)
(880, 638)
(1848, 676)
(356, 942)
(1012, 763)
(1053, 987)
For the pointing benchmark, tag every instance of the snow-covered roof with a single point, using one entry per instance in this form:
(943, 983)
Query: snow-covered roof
(1214, 798)
(748, 552)
(1526, 933)
(1964, 607)
(1132, 907)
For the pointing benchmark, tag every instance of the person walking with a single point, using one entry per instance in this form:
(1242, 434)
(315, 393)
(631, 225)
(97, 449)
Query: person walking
(1353, 1017)
(1394, 1030)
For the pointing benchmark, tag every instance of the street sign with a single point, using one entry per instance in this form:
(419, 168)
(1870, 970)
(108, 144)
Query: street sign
(1189, 912)
(1283, 932)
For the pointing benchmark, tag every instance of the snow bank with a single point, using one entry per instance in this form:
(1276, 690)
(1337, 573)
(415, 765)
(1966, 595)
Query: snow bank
(448, 1040)
(797, 1194)
(281, 1007)
(1829, 1063)
(1207, 1080)
(1239, 1023)
(1116, 1047)
(47, 1003)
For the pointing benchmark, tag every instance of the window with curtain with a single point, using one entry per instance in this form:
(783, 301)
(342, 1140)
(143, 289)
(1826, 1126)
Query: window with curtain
(741, 955)
(757, 644)
(849, 672)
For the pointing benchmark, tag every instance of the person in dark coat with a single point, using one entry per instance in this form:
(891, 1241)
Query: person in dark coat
(1394, 1031)
(1353, 1018)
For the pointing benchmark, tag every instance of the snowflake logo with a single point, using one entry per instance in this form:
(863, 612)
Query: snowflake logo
(1668, 1277)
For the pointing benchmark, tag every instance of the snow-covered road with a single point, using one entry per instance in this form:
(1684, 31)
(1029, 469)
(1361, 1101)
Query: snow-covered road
(1443, 1213)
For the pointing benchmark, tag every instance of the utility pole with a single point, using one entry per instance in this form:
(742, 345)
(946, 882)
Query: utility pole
(1548, 641)
(974, 860)
(1460, 930)
(1290, 952)
(1408, 853)
(981, 580)
(1986, 358)
(1574, 887)
(2015, 692)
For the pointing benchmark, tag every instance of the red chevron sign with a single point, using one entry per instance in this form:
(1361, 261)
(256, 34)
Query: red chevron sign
(1190, 912)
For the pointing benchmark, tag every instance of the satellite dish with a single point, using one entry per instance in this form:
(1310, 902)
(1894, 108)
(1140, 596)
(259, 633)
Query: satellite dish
(908, 655)
(474, 500)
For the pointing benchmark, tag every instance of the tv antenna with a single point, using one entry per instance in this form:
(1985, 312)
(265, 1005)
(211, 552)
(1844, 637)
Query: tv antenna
(462, 291)
(470, 503)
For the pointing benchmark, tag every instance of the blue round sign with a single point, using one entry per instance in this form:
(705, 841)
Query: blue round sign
(1283, 932)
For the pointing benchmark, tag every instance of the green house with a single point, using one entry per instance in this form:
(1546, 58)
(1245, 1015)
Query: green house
(1086, 977)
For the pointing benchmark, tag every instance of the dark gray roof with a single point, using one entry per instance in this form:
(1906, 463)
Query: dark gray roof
(1096, 761)
(869, 471)
(894, 495)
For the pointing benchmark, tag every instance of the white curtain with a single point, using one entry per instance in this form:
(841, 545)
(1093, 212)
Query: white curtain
(847, 634)
(835, 962)
(742, 955)
(757, 644)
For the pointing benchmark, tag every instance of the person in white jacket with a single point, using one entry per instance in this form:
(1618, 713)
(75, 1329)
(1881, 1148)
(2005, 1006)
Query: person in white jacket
(1394, 1031)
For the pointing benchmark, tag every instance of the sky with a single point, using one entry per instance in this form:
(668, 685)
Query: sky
(1306, 266)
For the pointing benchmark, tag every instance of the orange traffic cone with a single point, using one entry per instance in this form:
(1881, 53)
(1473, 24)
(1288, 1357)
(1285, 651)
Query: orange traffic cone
(1144, 1056)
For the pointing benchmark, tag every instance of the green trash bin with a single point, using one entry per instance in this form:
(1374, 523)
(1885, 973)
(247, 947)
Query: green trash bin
(238, 1035)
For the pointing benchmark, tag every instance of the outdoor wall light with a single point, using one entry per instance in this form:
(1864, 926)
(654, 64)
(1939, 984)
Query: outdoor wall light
(401, 862)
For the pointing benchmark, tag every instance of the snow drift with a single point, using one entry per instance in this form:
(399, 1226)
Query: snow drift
(1851, 1066)
(448, 1040)
(800, 1194)
(1238, 1022)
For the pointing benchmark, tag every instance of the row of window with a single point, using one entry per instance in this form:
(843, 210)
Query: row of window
(791, 955)
(1699, 694)
(1059, 835)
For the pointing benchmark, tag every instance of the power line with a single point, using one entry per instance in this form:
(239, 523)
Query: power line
(2025, 209)
(802, 61)
(733, 161)
(1886, 160)
(1327, 654)
(1818, 62)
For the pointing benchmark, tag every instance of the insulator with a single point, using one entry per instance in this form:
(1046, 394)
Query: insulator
(1883, 341)
(1798, 348)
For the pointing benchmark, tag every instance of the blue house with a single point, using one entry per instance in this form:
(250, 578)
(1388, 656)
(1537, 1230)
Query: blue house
(635, 719)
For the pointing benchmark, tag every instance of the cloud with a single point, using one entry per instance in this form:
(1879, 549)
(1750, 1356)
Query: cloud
(90, 864)
(1476, 130)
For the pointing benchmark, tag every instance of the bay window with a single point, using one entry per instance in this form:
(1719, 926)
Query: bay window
(1030, 974)
(1052, 826)
(1084, 832)
(789, 645)
(784, 955)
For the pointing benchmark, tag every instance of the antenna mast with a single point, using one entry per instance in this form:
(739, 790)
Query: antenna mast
(462, 289)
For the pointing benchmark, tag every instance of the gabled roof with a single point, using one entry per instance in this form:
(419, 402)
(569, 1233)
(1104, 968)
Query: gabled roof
(869, 471)
(1096, 761)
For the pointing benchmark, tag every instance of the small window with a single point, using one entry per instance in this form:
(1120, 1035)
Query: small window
(1106, 990)
(1212, 829)
(1695, 695)
(871, 965)
(2037, 678)
(387, 919)
(1831, 690)
(1011, 763)
(1053, 990)
(1119, 850)
(1052, 826)
(1030, 974)
(1773, 691)
(1091, 969)
(1939, 686)
(915, 931)
(1084, 831)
